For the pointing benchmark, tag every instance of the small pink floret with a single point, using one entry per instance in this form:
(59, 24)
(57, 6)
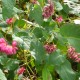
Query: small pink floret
(48, 10)
(9, 21)
(2, 40)
(8, 49)
(21, 70)
(72, 54)
(14, 43)
(59, 19)
(50, 48)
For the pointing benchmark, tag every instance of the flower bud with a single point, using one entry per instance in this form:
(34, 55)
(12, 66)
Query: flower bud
(59, 19)
(9, 21)
(48, 10)
(21, 70)
(50, 48)
(72, 54)
(6, 48)
(14, 43)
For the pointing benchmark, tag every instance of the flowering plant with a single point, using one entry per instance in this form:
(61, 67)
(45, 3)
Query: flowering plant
(39, 40)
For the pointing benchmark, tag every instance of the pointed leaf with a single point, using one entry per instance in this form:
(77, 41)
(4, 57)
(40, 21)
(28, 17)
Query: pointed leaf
(70, 30)
(46, 75)
(36, 14)
(2, 75)
(38, 52)
(7, 8)
(65, 71)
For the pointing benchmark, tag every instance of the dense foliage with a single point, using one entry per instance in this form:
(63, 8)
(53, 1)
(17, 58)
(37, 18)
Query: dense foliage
(40, 40)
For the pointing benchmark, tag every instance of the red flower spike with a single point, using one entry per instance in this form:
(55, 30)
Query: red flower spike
(59, 19)
(50, 48)
(9, 21)
(21, 70)
(14, 43)
(2, 40)
(8, 49)
(48, 10)
(72, 54)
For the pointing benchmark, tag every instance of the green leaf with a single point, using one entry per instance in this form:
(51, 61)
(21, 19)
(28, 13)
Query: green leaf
(36, 14)
(58, 5)
(49, 25)
(11, 64)
(3, 24)
(62, 40)
(16, 29)
(72, 33)
(75, 42)
(21, 23)
(66, 8)
(38, 32)
(1, 35)
(38, 52)
(8, 63)
(7, 8)
(41, 2)
(16, 10)
(65, 71)
(22, 34)
(56, 58)
(24, 43)
(46, 75)
(62, 65)
(2, 75)
(70, 30)
(1, 17)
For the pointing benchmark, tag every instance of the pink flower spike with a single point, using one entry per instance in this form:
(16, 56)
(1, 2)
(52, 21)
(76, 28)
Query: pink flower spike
(3, 44)
(14, 49)
(10, 50)
(21, 70)
(2, 40)
(14, 43)
(72, 54)
(59, 19)
(2, 47)
(48, 11)
(50, 48)
(9, 21)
